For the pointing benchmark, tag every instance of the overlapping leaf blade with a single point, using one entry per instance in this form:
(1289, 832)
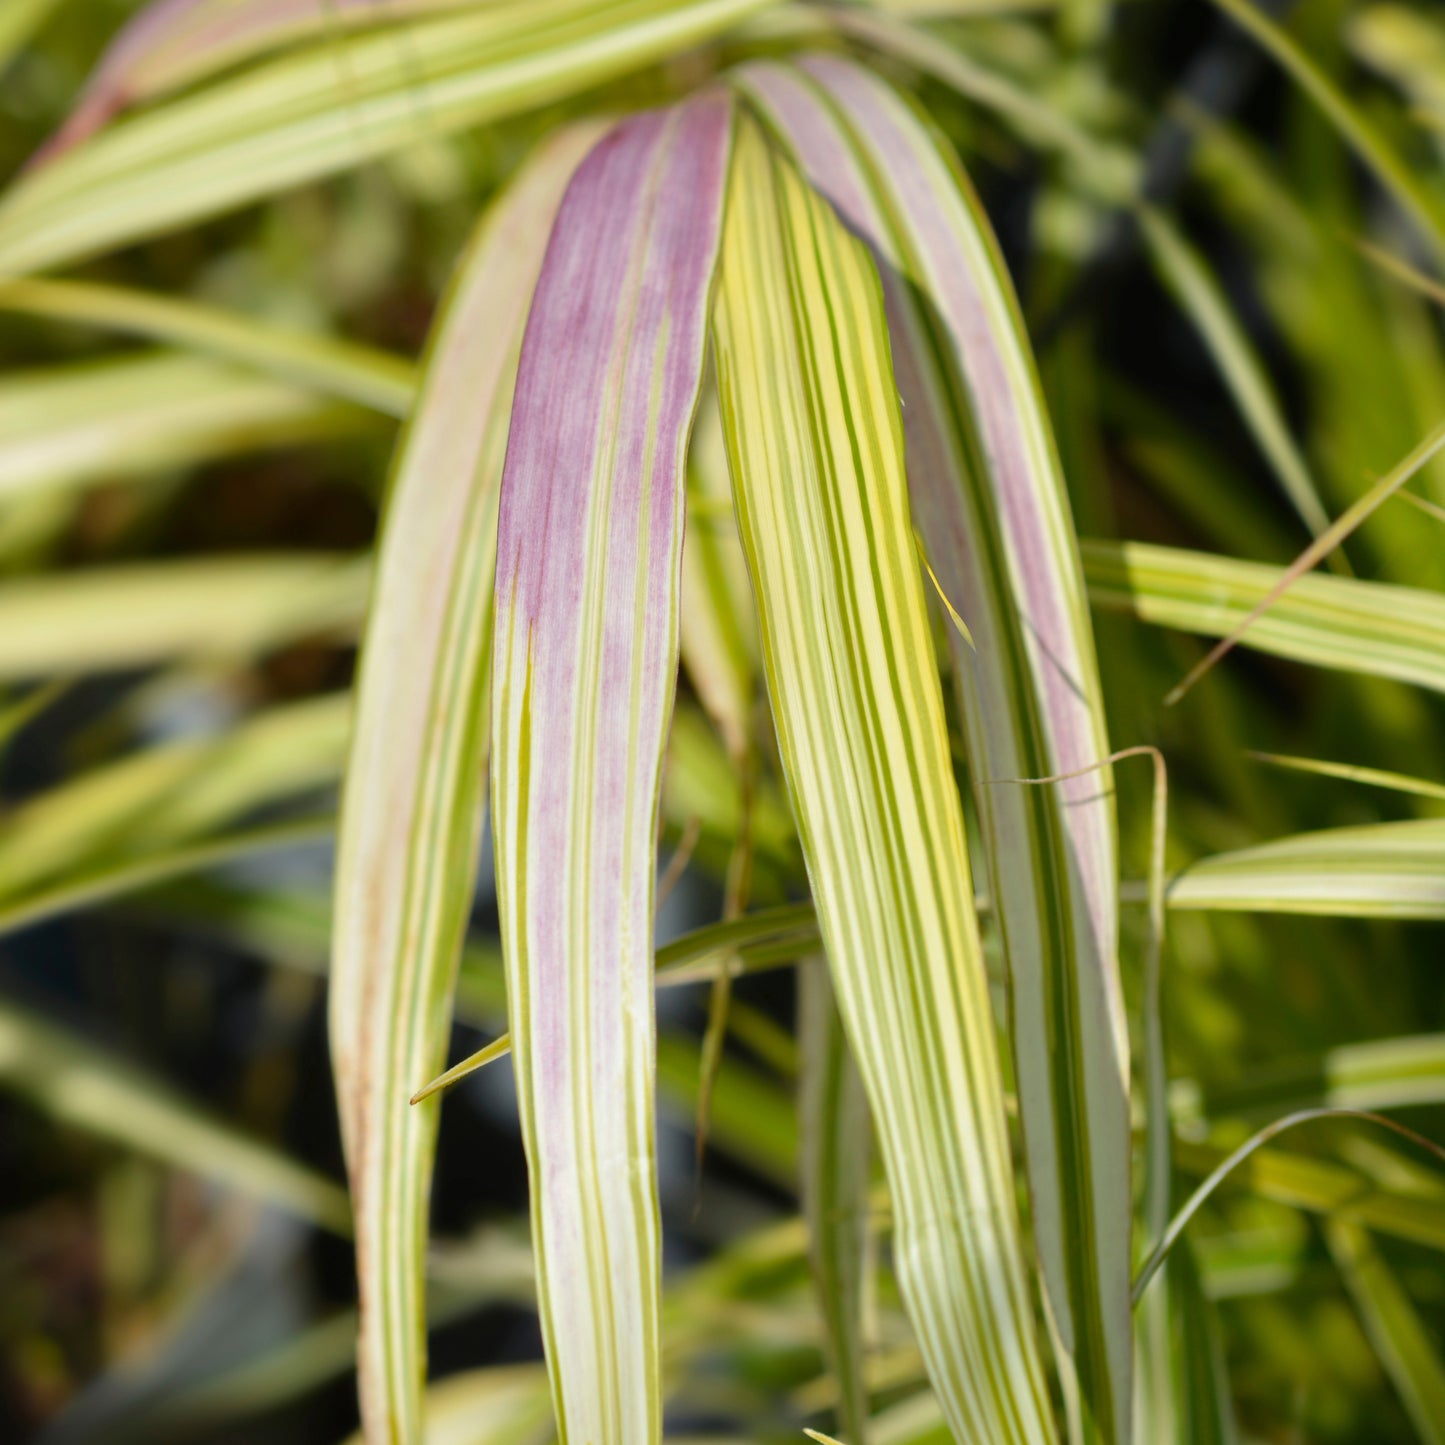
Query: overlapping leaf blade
(1384, 870)
(332, 106)
(816, 448)
(993, 514)
(413, 799)
(1376, 629)
(585, 667)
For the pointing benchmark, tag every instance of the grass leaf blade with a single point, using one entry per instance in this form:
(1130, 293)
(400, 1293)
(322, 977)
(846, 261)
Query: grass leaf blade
(585, 667)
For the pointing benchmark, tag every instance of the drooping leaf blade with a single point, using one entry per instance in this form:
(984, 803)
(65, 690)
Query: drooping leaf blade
(413, 799)
(816, 450)
(991, 508)
(585, 668)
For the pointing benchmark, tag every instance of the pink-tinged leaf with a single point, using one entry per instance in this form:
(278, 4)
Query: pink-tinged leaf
(413, 797)
(989, 502)
(172, 43)
(585, 667)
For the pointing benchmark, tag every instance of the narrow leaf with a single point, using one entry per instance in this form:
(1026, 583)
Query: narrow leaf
(833, 1115)
(411, 810)
(1375, 629)
(343, 369)
(1379, 870)
(816, 448)
(73, 426)
(585, 667)
(993, 513)
(86, 1087)
(334, 105)
(226, 608)
(1411, 1358)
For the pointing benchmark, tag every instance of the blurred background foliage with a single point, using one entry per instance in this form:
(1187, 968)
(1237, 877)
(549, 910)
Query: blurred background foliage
(182, 568)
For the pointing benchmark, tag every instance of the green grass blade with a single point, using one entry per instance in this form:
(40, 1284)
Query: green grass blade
(816, 449)
(177, 793)
(86, 1087)
(412, 806)
(833, 1117)
(226, 608)
(1186, 273)
(72, 426)
(1410, 1357)
(118, 878)
(1355, 129)
(1349, 772)
(1184, 1396)
(342, 369)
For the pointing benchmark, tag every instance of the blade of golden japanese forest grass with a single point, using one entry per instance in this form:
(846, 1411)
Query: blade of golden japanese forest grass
(84, 1086)
(70, 426)
(413, 800)
(585, 667)
(1399, 1335)
(331, 106)
(108, 618)
(816, 449)
(169, 44)
(835, 1135)
(1374, 151)
(158, 798)
(343, 369)
(1185, 272)
(1380, 870)
(991, 508)
(1376, 629)
(1321, 547)
(112, 878)
(1371, 777)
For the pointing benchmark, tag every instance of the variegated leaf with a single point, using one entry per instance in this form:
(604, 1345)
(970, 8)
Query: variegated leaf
(334, 104)
(816, 446)
(585, 668)
(413, 798)
(994, 517)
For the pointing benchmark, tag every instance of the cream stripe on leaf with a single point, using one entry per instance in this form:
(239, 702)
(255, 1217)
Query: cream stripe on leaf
(991, 508)
(412, 800)
(585, 668)
(334, 104)
(816, 450)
